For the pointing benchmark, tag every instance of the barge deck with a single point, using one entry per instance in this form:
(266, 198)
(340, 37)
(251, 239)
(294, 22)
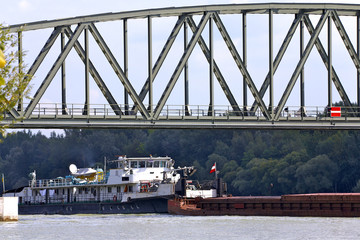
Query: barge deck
(299, 205)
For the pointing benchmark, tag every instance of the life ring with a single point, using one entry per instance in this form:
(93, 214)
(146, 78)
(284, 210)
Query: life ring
(114, 198)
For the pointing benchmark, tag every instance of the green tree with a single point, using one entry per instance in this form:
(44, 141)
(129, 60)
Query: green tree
(13, 79)
(317, 175)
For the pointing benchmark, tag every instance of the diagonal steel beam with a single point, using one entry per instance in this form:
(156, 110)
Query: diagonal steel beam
(164, 52)
(325, 59)
(39, 59)
(301, 63)
(353, 54)
(51, 74)
(346, 39)
(96, 76)
(14, 113)
(44, 51)
(217, 71)
(181, 65)
(278, 58)
(119, 72)
(241, 65)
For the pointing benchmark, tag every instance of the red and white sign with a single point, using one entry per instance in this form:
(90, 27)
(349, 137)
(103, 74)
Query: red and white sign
(335, 112)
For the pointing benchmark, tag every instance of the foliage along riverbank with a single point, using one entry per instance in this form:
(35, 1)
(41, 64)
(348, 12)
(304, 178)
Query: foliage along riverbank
(251, 162)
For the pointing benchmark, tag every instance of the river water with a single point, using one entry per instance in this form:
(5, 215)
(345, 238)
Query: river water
(155, 226)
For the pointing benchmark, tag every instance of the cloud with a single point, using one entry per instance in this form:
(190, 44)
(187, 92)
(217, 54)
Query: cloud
(24, 5)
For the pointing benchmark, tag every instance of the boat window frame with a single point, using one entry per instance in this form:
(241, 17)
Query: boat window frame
(142, 164)
(149, 162)
(134, 161)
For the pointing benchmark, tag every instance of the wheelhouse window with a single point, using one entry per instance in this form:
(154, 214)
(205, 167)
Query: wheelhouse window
(134, 164)
(162, 164)
(149, 164)
(141, 164)
(121, 165)
(156, 164)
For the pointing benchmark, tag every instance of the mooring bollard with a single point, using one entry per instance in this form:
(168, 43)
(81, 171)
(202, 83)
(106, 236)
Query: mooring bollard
(9, 208)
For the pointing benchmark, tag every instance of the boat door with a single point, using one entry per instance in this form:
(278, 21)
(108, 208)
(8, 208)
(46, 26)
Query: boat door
(68, 195)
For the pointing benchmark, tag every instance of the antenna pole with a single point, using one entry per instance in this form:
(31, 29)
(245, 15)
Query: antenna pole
(216, 172)
(3, 182)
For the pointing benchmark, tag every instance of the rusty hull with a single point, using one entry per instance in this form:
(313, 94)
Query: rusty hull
(299, 205)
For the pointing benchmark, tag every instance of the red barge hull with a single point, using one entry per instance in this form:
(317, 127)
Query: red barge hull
(299, 205)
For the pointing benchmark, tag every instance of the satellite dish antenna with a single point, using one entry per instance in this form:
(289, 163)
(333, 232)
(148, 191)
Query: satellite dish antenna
(73, 169)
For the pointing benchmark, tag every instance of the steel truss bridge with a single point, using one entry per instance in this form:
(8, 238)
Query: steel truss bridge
(140, 109)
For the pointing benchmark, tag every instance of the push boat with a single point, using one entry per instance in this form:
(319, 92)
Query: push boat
(134, 186)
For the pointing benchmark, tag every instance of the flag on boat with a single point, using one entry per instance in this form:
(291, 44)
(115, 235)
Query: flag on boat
(213, 168)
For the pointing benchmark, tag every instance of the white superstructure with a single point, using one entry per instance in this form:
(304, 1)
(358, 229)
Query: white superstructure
(132, 178)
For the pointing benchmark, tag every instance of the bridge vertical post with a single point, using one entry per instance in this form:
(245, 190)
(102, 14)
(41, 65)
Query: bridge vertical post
(63, 76)
(20, 103)
(271, 66)
(302, 83)
(87, 90)
(211, 72)
(186, 72)
(330, 61)
(244, 36)
(358, 54)
(150, 66)
(125, 36)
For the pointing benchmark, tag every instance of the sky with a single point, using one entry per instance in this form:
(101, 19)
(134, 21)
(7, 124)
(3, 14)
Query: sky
(23, 11)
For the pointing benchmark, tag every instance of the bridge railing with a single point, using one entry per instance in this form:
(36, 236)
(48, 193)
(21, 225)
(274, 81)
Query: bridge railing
(44, 110)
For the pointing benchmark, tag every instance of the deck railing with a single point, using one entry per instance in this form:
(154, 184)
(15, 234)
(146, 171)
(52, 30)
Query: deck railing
(106, 110)
(61, 182)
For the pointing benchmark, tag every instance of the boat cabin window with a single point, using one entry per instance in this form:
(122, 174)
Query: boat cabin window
(121, 165)
(141, 164)
(133, 164)
(109, 189)
(149, 164)
(156, 164)
(162, 164)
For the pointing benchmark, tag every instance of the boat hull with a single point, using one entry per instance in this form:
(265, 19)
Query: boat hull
(136, 206)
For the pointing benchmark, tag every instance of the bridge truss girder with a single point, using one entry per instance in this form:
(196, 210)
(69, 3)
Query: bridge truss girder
(153, 112)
